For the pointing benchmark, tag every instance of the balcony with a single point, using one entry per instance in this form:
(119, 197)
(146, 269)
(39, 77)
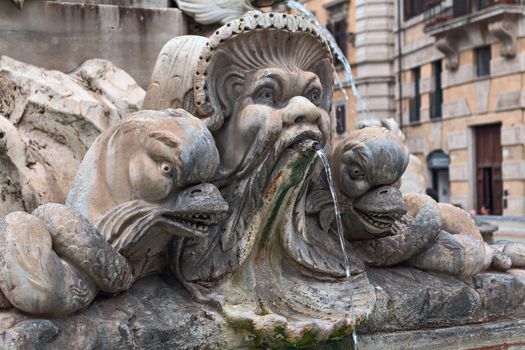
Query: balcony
(446, 15)
(451, 20)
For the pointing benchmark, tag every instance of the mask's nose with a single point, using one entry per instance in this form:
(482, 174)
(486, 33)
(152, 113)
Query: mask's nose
(300, 110)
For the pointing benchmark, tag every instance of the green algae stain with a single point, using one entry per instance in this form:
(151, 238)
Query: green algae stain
(309, 341)
(298, 169)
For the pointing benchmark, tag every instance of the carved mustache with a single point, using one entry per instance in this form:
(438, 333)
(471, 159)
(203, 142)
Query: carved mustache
(288, 137)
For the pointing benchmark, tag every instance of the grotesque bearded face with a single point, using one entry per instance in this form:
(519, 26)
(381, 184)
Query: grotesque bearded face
(274, 109)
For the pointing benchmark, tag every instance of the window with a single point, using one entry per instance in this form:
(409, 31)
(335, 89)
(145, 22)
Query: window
(339, 30)
(338, 24)
(413, 8)
(340, 119)
(415, 102)
(483, 61)
(436, 97)
(481, 4)
(461, 7)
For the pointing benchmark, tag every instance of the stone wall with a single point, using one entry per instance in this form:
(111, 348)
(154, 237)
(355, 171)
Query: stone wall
(62, 34)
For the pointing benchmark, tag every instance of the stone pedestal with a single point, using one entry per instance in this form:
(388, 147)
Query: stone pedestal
(494, 335)
(415, 310)
(62, 35)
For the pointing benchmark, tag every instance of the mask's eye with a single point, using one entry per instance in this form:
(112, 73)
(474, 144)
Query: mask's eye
(355, 172)
(166, 168)
(266, 96)
(314, 96)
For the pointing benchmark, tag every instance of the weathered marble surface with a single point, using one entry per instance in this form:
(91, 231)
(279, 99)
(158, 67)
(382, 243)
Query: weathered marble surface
(502, 335)
(411, 299)
(139, 318)
(57, 34)
(131, 196)
(414, 179)
(388, 229)
(48, 120)
(260, 270)
(142, 318)
(273, 274)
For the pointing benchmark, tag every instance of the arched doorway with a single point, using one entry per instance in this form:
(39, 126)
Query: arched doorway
(438, 163)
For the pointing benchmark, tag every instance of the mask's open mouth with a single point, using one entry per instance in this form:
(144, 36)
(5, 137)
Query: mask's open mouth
(306, 140)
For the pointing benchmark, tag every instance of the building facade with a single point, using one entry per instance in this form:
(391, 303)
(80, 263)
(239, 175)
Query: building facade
(462, 99)
(363, 30)
(339, 18)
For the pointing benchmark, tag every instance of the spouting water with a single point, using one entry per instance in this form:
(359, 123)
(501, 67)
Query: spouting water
(324, 160)
(336, 50)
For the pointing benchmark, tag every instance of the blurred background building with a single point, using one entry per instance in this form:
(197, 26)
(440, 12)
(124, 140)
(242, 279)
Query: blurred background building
(363, 30)
(461, 100)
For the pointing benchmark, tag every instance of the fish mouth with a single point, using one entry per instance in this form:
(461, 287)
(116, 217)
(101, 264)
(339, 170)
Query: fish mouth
(190, 224)
(195, 211)
(377, 223)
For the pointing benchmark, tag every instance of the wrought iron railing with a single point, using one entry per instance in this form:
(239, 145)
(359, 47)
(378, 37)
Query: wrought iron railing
(439, 12)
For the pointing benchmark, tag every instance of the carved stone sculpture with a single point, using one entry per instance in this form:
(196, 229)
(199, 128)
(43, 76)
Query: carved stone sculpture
(48, 120)
(414, 178)
(447, 44)
(209, 12)
(389, 228)
(52, 263)
(264, 127)
(134, 185)
(211, 210)
(505, 30)
(367, 168)
(130, 197)
(222, 11)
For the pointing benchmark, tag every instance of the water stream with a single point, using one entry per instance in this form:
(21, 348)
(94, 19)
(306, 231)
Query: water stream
(321, 154)
(361, 104)
(336, 50)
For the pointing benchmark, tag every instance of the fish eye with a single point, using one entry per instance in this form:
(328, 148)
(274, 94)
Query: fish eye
(166, 168)
(355, 172)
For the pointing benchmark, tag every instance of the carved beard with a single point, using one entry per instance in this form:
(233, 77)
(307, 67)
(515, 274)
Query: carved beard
(207, 261)
(262, 261)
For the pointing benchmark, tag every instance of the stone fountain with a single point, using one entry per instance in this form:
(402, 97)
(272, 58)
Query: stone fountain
(202, 218)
